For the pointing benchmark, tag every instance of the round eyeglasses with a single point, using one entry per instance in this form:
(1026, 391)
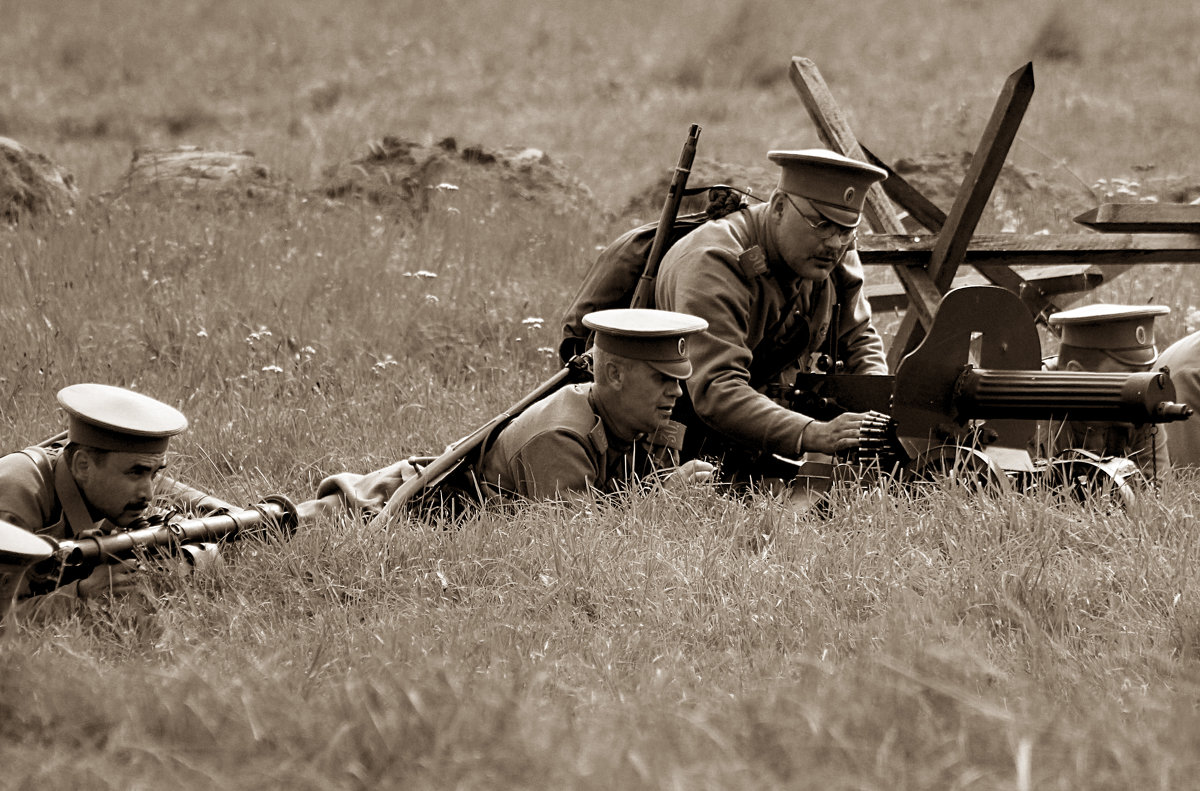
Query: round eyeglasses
(826, 229)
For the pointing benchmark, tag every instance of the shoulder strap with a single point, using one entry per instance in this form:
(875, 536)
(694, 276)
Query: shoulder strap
(41, 459)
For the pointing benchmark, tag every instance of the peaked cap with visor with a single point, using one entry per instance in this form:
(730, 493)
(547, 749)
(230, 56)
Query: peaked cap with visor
(835, 185)
(657, 337)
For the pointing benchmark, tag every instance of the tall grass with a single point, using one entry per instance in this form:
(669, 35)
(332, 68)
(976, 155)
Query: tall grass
(899, 639)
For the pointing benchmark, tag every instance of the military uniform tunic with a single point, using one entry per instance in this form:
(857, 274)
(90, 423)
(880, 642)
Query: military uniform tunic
(756, 307)
(560, 445)
(39, 494)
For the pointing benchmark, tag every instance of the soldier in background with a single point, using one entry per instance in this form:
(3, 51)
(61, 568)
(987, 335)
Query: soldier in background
(778, 283)
(102, 479)
(1104, 338)
(1182, 440)
(596, 436)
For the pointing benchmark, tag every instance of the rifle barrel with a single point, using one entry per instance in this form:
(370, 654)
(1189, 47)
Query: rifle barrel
(643, 294)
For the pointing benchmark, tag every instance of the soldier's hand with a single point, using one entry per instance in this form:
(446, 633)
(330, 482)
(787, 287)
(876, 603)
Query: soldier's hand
(691, 472)
(116, 579)
(842, 434)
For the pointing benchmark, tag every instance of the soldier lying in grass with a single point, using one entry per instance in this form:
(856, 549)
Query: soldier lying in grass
(583, 437)
(102, 479)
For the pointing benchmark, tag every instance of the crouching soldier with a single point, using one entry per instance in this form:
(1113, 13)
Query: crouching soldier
(1103, 338)
(597, 435)
(102, 479)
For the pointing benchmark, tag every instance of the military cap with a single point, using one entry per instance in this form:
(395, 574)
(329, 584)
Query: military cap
(1124, 332)
(657, 337)
(19, 547)
(113, 418)
(835, 185)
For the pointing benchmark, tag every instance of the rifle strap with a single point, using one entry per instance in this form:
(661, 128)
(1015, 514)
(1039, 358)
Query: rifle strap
(75, 514)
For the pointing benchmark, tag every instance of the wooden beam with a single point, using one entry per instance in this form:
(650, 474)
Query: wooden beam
(1012, 248)
(881, 215)
(909, 198)
(1045, 280)
(1143, 218)
(976, 189)
(972, 197)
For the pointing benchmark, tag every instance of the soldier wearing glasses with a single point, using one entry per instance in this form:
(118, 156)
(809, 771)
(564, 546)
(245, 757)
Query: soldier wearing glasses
(778, 283)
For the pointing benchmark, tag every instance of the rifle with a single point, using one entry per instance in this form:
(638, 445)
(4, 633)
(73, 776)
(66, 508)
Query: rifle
(50, 563)
(974, 388)
(442, 466)
(643, 294)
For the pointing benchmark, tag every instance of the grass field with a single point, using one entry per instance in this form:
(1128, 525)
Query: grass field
(658, 641)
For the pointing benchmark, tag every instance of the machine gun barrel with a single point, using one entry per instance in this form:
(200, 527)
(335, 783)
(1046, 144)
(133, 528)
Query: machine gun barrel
(1069, 395)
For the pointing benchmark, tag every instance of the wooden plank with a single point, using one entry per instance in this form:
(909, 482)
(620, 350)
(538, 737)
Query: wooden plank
(1047, 280)
(1143, 218)
(973, 195)
(881, 215)
(1012, 249)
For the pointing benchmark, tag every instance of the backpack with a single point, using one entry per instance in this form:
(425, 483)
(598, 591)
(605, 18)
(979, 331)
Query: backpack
(613, 276)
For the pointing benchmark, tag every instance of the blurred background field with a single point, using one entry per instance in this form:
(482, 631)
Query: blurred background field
(661, 642)
(609, 88)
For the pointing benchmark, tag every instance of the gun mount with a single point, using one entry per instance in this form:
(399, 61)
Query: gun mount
(974, 389)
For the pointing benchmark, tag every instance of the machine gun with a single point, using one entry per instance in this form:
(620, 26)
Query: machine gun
(967, 401)
(48, 563)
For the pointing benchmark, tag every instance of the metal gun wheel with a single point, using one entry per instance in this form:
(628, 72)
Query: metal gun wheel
(969, 468)
(1090, 479)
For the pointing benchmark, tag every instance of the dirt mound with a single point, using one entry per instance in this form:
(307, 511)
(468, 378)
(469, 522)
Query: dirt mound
(191, 172)
(1022, 200)
(398, 172)
(31, 184)
(646, 205)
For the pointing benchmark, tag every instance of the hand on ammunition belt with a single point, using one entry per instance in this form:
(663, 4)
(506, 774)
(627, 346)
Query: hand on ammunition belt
(849, 432)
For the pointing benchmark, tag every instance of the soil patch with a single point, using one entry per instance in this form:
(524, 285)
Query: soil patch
(399, 173)
(30, 183)
(646, 205)
(192, 172)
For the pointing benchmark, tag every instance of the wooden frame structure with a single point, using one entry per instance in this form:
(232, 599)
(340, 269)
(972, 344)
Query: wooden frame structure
(927, 265)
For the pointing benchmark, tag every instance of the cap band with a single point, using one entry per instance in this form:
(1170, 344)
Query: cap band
(670, 349)
(105, 439)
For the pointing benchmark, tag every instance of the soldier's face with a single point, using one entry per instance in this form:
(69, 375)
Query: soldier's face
(117, 485)
(647, 397)
(809, 244)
